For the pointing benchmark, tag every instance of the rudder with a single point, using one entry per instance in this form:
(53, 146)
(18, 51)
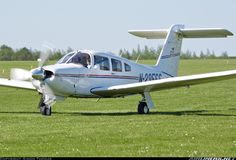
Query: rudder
(168, 61)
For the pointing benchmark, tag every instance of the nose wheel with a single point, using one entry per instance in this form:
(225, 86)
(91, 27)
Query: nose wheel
(44, 109)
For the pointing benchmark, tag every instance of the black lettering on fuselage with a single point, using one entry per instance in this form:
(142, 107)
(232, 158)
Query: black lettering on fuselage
(149, 76)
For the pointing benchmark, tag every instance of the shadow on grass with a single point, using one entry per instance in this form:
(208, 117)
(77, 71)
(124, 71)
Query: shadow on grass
(17, 112)
(174, 113)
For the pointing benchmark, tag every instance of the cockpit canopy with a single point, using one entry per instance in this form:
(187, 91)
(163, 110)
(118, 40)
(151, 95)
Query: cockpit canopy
(98, 60)
(77, 58)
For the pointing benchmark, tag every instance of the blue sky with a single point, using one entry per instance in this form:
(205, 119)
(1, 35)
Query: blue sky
(103, 24)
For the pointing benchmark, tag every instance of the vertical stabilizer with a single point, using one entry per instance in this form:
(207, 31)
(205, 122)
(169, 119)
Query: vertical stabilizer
(168, 60)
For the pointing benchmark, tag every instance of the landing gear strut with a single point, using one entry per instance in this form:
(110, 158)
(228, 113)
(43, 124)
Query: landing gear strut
(45, 110)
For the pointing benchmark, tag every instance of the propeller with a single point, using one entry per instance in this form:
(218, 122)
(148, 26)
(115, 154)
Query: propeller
(39, 73)
(20, 74)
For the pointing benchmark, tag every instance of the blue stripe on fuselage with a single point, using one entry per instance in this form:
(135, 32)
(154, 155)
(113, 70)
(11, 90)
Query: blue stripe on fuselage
(97, 76)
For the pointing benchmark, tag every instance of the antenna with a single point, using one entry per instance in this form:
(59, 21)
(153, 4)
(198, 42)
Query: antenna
(137, 58)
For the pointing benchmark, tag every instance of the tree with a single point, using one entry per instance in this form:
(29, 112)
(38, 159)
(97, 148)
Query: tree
(35, 54)
(125, 54)
(56, 55)
(208, 54)
(23, 54)
(187, 55)
(202, 55)
(195, 55)
(213, 55)
(224, 54)
(6, 53)
(69, 49)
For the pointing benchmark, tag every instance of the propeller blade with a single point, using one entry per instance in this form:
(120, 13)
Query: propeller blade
(45, 55)
(20, 74)
(43, 58)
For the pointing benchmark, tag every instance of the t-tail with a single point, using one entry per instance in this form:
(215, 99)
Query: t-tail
(168, 60)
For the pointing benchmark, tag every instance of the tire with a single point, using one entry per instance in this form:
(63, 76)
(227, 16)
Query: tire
(42, 109)
(46, 110)
(143, 108)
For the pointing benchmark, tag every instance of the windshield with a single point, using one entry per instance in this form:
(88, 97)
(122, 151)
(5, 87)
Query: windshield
(65, 58)
(81, 58)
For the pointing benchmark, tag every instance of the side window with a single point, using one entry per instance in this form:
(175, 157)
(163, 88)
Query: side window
(65, 58)
(116, 65)
(103, 62)
(81, 58)
(127, 68)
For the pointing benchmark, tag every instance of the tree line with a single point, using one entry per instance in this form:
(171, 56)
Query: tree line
(152, 53)
(25, 54)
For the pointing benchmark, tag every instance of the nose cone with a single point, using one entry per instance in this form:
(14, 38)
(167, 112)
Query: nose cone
(38, 74)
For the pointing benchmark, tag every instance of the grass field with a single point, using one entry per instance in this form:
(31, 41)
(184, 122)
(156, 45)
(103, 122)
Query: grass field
(197, 121)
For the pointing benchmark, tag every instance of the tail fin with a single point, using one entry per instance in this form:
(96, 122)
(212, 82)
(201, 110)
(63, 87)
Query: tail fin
(168, 60)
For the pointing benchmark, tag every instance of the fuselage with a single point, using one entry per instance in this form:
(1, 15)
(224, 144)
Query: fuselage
(80, 71)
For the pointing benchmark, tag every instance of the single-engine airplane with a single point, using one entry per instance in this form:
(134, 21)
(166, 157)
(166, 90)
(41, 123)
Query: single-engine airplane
(95, 74)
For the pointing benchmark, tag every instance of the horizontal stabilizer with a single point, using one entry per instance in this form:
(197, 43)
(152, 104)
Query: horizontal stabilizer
(150, 34)
(185, 33)
(205, 33)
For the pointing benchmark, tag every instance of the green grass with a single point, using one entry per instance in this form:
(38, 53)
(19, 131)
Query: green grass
(199, 122)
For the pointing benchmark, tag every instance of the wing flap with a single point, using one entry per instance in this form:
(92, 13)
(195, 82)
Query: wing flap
(157, 85)
(16, 84)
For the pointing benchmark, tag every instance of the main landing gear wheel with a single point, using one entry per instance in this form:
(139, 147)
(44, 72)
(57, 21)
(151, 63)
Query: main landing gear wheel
(143, 108)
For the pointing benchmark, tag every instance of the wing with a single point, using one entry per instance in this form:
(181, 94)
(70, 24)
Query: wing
(157, 85)
(16, 84)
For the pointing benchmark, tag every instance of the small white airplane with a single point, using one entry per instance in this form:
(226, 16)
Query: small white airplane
(94, 74)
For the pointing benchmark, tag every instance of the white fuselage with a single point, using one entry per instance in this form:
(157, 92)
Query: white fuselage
(75, 80)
